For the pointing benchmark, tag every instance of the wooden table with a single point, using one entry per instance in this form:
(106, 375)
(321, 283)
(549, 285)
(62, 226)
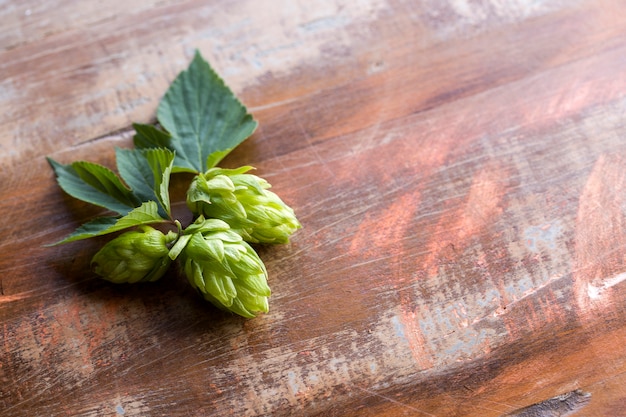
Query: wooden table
(459, 168)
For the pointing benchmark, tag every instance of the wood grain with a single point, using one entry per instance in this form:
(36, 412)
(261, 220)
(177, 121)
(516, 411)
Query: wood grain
(458, 168)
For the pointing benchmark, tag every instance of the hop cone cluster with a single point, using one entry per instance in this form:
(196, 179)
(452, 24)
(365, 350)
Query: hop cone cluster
(138, 255)
(244, 202)
(231, 208)
(224, 268)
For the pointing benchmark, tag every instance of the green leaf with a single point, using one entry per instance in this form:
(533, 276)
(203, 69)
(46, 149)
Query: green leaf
(147, 213)
(147, 172)
(95, 184)
(203, 116)
(92, 228)
(162, 161)
(215, 158)
(148, 137)
(136, 172)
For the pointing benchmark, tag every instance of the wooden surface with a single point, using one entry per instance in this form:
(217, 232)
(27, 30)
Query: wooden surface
(459, 168)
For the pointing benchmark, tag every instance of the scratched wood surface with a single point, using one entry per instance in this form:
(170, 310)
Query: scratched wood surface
(459, 168)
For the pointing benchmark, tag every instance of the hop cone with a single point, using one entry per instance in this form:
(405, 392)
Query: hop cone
(133, 256)
(225, 269)
(244, 202)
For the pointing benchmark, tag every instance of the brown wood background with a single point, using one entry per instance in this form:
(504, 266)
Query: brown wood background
(459, 168)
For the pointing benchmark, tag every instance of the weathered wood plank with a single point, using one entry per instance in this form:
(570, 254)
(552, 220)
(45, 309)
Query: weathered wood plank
(30, 21)
(459, 174)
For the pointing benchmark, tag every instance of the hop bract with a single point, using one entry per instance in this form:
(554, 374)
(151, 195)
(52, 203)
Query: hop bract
(138, 255)
(244, 202)
(224, 268)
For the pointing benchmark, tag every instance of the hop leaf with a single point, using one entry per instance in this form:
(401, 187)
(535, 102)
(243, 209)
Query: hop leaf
(244, 202)
(202, 118)
(138, 255)
(225, 269)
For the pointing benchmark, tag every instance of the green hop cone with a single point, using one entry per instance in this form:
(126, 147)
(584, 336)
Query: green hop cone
(224, 268)
(244, 202)
(138, 255)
